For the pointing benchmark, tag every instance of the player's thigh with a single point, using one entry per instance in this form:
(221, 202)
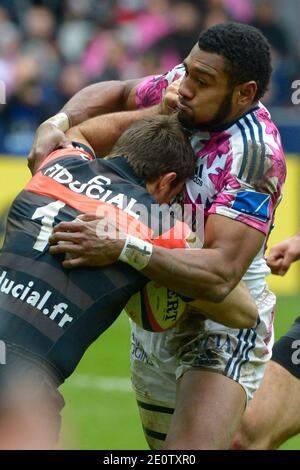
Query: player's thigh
(273, 416)
(284, 378)
(208, 410)
(285, 375)
(209, 405)
(240, 355)
(159, 359)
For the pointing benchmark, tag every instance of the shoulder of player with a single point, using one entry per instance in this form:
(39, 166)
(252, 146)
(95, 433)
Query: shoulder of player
(74, 151)
(255, 146)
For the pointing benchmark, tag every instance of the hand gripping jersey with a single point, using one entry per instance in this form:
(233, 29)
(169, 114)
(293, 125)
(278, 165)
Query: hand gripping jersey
(240, 167)
(56, 313)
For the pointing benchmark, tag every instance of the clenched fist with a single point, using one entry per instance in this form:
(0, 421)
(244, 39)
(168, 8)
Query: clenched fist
(48, 137)
(284, 254)
(170, 100)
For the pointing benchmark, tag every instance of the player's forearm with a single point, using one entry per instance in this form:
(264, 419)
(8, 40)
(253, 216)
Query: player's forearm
(94, 100)
(97, 99)
(102, 132)
(237, 310)
(204, 274)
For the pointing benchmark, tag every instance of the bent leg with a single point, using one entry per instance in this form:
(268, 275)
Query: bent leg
(273, 416)
(208, 410)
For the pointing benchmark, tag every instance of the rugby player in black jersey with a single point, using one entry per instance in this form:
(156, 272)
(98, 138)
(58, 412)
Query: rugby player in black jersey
(48, 315)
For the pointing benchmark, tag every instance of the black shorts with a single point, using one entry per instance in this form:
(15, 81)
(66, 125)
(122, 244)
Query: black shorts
(286, 351)
(28, 383)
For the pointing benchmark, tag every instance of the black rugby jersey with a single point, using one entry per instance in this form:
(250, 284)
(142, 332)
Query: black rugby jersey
(57, 313)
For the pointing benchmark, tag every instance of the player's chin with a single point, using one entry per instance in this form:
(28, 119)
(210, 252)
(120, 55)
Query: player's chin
(185, 118)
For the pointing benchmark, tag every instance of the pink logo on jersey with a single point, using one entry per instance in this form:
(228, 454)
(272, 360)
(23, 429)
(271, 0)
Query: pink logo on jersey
(216, 148)
(217, 145)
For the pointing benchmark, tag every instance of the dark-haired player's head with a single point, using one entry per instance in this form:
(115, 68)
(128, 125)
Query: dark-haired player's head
(160, 153)
(227, 72)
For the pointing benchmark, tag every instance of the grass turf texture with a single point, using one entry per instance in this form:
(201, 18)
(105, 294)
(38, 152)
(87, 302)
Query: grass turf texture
(102, 414)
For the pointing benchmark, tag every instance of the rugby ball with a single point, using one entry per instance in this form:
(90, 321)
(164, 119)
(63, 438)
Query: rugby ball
(155, 308)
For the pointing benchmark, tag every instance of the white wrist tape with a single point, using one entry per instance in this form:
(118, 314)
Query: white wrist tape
(61, 121)
(136, 252)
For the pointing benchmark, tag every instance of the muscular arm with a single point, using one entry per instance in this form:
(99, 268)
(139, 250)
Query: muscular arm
(105, 97)
(237, 310)
(102, 132)
(210, 273)
(101, 98)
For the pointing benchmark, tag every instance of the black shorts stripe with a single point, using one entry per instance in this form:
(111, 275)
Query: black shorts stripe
(241, 353)
(158, 409)
(250, 346)
(156, 435)
(234, 357)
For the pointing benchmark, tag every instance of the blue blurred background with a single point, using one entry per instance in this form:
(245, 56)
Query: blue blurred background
(50, 49)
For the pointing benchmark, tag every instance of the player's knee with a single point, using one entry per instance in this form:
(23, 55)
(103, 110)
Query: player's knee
(247, 438)
(240, 441)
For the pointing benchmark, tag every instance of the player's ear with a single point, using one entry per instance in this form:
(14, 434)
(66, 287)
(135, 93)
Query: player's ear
(245, 93)
(166, 180)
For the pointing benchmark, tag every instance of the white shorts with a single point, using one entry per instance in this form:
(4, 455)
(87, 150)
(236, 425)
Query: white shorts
(159, 359)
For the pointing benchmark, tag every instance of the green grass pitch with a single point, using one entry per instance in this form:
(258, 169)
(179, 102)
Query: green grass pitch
(100, 410)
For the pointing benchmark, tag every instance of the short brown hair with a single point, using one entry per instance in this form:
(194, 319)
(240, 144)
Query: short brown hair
(156, 146)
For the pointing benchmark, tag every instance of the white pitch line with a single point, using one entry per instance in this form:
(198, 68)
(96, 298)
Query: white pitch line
(106, 384)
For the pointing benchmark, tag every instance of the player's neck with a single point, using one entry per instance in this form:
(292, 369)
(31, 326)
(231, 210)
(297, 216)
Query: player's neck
(234, 117)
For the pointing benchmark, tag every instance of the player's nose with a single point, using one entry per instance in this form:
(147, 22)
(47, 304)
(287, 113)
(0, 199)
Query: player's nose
(185, 90)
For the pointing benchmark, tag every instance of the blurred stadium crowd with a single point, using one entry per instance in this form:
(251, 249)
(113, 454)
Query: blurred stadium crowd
(50, 49)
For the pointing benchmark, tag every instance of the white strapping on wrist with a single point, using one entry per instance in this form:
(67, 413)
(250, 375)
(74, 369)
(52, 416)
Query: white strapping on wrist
(136, 252)
(61, 121)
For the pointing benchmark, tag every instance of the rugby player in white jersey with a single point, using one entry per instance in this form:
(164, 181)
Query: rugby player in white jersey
(204, 370)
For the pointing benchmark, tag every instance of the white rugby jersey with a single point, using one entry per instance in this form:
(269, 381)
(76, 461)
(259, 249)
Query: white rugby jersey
(240, 167)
